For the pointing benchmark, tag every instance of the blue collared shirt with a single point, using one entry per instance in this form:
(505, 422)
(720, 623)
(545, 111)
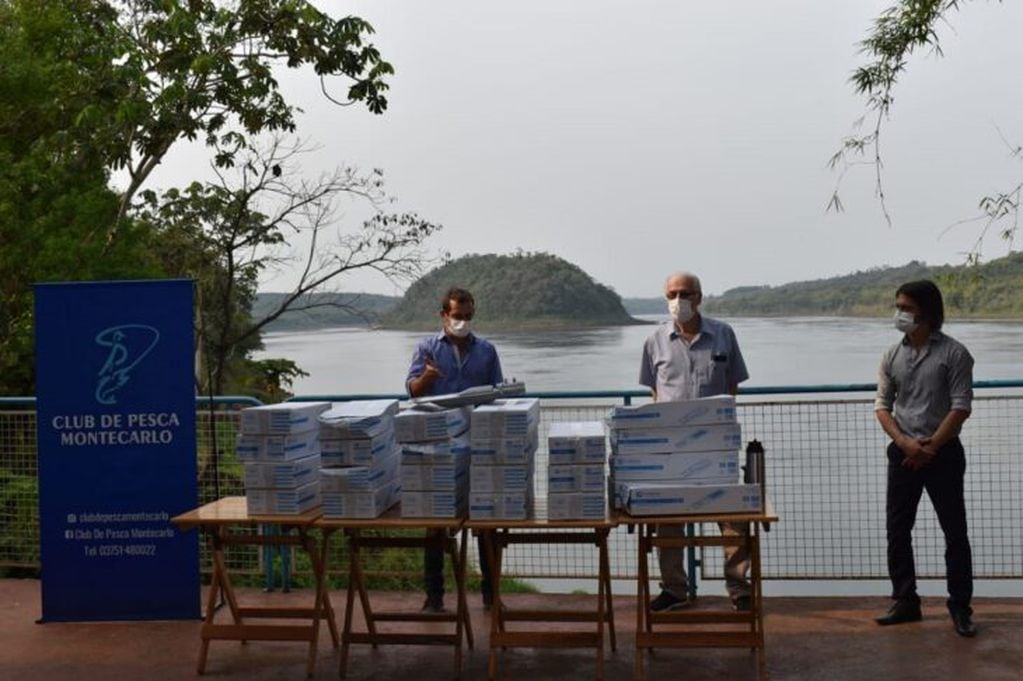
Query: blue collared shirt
(478, 366)
(710, 365)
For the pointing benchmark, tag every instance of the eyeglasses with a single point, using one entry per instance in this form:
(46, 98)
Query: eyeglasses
(687, 295)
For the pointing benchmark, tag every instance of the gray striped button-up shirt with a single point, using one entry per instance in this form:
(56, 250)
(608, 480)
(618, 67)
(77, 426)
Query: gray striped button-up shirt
(921, 386)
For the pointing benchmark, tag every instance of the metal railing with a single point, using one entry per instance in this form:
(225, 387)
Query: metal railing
(825, 478)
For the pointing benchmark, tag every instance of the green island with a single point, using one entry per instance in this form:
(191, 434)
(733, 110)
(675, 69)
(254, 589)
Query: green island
(990, 290)
(526, 291)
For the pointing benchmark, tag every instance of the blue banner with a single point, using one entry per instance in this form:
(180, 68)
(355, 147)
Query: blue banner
(115, 393)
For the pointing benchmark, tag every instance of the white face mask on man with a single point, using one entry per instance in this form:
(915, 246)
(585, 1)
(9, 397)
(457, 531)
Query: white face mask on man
(681, 309)
(459, 328)
(905, 321)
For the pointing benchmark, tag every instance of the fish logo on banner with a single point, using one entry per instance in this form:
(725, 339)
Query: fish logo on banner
(129, 344)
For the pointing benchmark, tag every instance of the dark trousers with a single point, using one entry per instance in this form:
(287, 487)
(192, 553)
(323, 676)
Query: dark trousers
(943, 480)
(433, 570)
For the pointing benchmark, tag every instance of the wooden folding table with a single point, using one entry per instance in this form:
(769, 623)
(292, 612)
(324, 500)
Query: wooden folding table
(498, 535)
(218, 518)
(719, 629)
(439, 532)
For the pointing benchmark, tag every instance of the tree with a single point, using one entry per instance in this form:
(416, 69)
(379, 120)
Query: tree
(54, 193)
(898, 32)
(93, 86)
(228, 233)
(191, 67)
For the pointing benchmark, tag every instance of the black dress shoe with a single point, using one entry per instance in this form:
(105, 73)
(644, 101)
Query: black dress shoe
(963, 623)
(900, 612)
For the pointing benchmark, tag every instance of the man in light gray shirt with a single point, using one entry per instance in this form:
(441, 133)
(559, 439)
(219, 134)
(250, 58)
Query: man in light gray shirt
(924, 395)
(694, 356)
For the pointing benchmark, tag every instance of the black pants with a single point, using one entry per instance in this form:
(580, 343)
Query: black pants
(433, 571)
(943, 480)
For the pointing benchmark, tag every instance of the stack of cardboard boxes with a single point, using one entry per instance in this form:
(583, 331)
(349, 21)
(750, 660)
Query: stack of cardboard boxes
(434, 462)
(671, 458)
(279, 446)
(360, 474)
(576, 480)
(503, 438)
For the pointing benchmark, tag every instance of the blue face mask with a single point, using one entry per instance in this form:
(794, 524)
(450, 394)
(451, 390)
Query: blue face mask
(905, 321)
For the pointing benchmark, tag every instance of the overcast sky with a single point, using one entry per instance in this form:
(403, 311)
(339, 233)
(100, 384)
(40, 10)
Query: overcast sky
(638, 138)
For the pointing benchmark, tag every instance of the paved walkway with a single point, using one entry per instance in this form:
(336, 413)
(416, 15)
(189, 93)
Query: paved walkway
(807, 638)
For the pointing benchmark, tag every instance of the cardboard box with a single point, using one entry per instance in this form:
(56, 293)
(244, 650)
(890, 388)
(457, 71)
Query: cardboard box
(358, 419)
(509, 450)
(421, 425)
(282, 474)
(507, 478)
(501, 505)
(435, 452)
(700, 412)
(277, 447)
(676, 440)
(360, 478)
(570, 442)
(645, 498)
(581, 478)
(713, 467)
(577, 505)
(435, 476)
(287, 418)
(356, 452)
(504, 418)
(371, 504)
(422, 504)
(283, 501)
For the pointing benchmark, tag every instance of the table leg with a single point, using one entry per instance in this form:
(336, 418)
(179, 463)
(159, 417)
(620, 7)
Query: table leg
(451, 548)
(494, 559)
(321, 604)
(211, 602)
(601, 600)
(220, 565)
(642, 598)
(461, 567)
(758, 599)
(346, 632)
(328, 607)
(606, 571)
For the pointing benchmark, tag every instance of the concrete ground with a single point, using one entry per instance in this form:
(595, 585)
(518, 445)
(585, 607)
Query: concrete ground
(807, 638)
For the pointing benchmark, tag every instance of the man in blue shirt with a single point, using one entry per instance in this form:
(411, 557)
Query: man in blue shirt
(450, 362)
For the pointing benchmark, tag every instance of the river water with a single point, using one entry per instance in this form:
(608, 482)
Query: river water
(778, 352)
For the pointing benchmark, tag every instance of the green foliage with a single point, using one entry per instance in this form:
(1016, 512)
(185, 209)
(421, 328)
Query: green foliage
(988, 290)
(323, 310)
(897, 33)
(270, 380)
(19, 509)
(55, 204)
(92, 86)
(526, 290)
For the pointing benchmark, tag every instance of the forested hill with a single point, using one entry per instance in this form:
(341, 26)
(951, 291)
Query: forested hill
(524, 291)
(990, 290)
(321, 310)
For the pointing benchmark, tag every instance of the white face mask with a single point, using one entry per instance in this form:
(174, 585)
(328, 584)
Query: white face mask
(459, 328)
(905, 321)
(681, 309)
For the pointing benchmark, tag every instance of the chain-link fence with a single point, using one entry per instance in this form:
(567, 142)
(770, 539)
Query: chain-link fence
(825, 478)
